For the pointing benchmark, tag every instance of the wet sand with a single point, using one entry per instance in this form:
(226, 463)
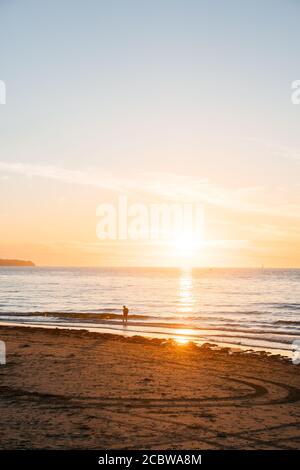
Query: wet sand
(65, 389)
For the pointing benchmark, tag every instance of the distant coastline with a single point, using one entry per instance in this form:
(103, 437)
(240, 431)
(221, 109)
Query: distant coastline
(15, 262)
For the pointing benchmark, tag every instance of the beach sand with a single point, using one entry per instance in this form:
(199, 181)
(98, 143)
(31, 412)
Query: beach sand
(65, 389)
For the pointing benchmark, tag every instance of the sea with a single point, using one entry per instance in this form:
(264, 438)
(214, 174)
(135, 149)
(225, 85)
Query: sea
(240, 308)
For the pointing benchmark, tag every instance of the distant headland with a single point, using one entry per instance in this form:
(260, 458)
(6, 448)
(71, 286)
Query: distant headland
(15, 262)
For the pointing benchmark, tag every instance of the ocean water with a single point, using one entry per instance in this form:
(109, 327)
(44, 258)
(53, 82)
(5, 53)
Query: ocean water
(250, 308)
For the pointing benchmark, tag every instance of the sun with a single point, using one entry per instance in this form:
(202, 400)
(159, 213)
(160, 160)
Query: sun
(186, 244)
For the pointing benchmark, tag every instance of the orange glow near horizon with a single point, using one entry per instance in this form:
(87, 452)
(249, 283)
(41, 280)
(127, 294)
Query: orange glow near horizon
(57, 227)
(181, 336)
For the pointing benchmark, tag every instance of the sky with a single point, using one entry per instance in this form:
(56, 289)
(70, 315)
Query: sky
(161, 101)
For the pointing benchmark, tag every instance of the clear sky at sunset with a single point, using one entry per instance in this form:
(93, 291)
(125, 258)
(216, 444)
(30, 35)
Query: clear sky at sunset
(159, 100)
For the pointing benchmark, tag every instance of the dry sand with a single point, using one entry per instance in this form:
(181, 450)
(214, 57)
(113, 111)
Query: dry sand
(77, 390)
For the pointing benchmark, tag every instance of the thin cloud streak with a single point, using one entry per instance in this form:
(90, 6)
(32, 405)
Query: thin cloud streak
(168, 186)
(60, 174)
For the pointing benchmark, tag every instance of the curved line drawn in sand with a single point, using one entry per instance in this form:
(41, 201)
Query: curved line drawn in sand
(260, 392)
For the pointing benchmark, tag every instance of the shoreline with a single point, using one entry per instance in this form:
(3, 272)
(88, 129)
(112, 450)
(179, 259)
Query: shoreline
(198, 340)
(67, 389)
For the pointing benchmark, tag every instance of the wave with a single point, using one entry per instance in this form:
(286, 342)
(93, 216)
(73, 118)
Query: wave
(70, 315)
(279, 328)
(292, 306)
(194, 321)
(287, 322)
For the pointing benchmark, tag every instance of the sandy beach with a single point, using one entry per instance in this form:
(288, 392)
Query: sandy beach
(65, 389)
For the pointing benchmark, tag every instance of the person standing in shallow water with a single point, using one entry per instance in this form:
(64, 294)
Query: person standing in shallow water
(125, 315)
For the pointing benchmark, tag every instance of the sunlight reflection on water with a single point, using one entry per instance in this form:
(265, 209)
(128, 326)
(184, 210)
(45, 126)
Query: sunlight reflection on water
(186, 299)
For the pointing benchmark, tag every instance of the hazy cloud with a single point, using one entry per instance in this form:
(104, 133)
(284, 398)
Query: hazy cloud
(167, 186)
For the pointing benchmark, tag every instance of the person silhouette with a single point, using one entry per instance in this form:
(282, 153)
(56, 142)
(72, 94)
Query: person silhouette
(125, 315)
